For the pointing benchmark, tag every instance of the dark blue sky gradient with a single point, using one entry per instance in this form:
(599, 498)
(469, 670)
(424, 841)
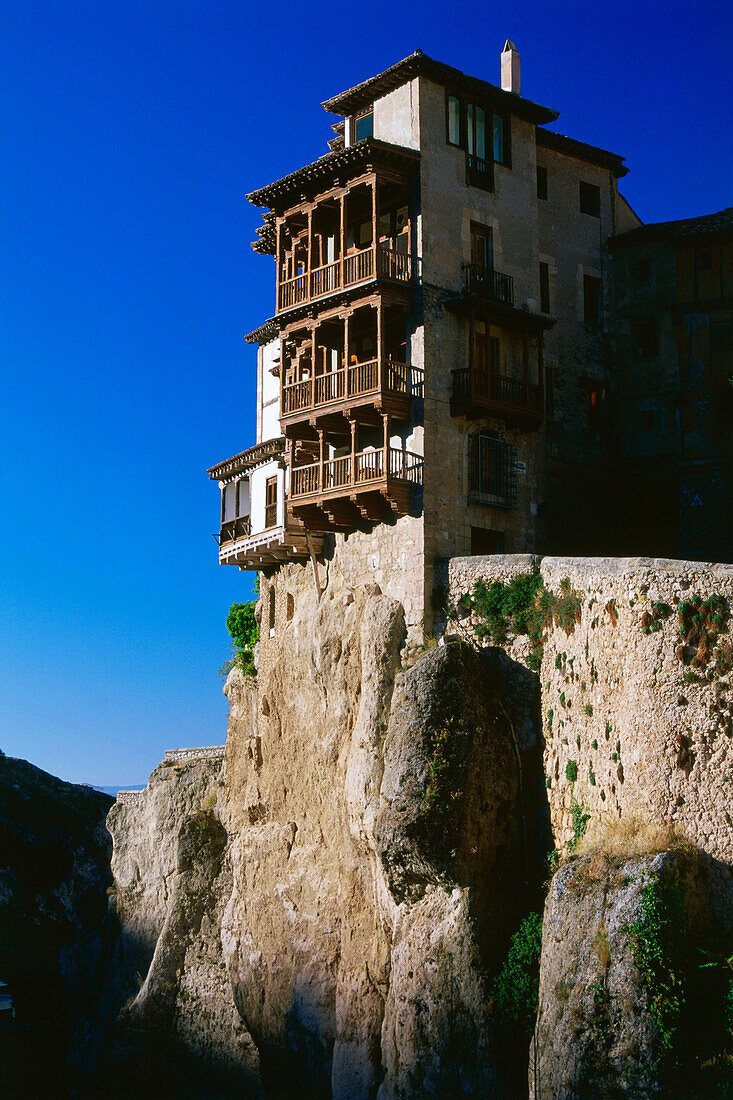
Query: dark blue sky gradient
(131, 133)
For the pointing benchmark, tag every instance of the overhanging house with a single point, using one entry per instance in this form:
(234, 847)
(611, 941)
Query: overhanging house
(435, 378)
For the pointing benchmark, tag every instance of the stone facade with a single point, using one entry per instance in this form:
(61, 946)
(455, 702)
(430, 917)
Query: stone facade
(673, 345)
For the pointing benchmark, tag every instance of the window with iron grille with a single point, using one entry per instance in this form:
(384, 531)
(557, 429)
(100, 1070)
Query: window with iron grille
(492, 470)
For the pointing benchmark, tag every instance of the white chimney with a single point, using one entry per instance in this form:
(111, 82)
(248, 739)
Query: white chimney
(510, 68)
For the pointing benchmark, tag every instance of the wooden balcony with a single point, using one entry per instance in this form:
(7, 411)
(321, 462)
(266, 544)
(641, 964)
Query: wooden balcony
(487, 283)
(339, 493)
(233, 529)
(388, 385)
(479, 392)
(350, 270)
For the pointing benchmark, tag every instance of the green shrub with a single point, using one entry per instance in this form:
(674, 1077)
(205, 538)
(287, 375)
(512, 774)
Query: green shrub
(580, 824)
(571, 770)
(245, 633)
(516, 990)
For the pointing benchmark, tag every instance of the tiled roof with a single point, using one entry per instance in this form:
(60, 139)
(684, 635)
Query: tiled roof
(419, 64)
(719, 222)
(313, 176)
(579, 149)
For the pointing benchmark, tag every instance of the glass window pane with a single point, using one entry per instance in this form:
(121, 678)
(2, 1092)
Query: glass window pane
(229, 500)
(498, 139)
(469, 127)
(365, 126)
(454, 120)
(480, 133)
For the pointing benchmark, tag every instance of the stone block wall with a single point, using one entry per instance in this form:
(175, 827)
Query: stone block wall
(630, 727)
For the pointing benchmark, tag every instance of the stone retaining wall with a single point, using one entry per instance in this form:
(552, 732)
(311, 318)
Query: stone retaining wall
(631, 727)
(207, 752)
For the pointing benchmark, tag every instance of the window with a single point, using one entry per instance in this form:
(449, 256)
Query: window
(544, 287)
(453, 114)
(501, 140)
(228, 502)
(592, 300)
(595, 409)
(590, 199)
(486, 351)
(492, 470)
(365, 125)
(271, 502)
(485, 541)
(541, 182)
(645, 337)
(646, 420)
(482, 248)
(641, 271)
(476, 129)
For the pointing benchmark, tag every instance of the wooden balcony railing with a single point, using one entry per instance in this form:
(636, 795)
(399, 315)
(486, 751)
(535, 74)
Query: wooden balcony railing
(367, 467)
(479, 172)
(357, 268)
(357, 380)
(493, 391)
(486, 282)
(232, 529)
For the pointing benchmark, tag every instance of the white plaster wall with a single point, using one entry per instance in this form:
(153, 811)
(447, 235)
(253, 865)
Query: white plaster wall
(257, 480)
(397, 116)
(269, 395)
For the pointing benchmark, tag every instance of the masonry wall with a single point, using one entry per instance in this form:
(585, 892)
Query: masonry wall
(576, 355)
(621, 707)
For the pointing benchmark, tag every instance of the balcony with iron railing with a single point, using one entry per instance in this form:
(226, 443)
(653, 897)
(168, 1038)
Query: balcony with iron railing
(383, 382)
(486, 282)
(380, 262)
(478, 391)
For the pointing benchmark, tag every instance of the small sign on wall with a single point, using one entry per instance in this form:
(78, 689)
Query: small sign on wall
(521, 467)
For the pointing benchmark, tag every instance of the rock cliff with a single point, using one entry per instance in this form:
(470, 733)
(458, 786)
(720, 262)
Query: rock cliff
(325, 911)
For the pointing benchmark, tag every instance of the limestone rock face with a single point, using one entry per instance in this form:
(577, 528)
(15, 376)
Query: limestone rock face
(325, 924)
(596, 1032)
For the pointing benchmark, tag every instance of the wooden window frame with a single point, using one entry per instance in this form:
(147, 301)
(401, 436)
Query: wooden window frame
(489, 114)
(270, 483)
(356, 119)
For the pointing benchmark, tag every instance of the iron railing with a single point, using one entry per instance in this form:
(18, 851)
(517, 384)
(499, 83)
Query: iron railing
(486, 282)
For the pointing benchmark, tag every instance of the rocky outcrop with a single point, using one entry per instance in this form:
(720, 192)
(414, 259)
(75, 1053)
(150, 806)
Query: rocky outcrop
(54, 930)
(322, 911)
(625, 1009)
(325, 912)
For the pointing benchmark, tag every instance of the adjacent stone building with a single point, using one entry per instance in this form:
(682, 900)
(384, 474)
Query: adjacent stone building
(673, 349)
(438, 376)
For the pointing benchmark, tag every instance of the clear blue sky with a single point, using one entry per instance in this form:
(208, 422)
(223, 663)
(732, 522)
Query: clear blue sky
(130, 135)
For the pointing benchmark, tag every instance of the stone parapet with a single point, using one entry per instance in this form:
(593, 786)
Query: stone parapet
(130, 798)
(206, 752)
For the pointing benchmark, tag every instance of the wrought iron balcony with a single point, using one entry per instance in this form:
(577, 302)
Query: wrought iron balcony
(486, 282)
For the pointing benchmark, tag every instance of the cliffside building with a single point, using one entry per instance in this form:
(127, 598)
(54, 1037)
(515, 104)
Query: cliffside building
(435, 378)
